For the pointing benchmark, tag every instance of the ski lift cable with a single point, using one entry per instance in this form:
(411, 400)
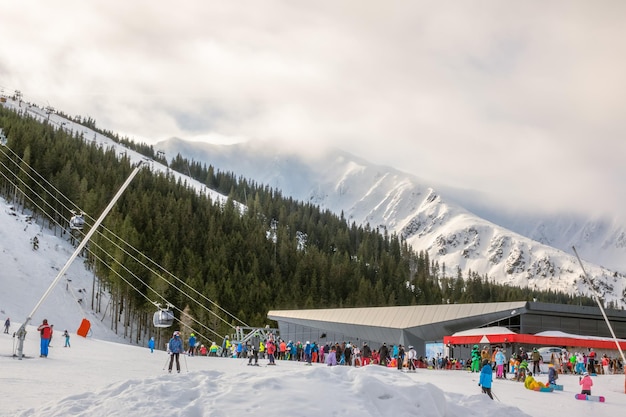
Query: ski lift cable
(596, 297)
(21, 332)
(94, 243)
(20, 166)
(153, 290)
(163, 298)
(130, 272)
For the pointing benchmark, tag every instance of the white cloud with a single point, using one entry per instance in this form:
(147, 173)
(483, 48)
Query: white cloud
(515, 99)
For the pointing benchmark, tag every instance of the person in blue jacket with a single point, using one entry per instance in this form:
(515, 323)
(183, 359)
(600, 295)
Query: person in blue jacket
(486, 376)
(552, 375)
(192, 344)
(175, 348)
(308, 351)
(151, 345)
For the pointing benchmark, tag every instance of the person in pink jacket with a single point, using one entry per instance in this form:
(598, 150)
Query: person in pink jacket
(586, 382)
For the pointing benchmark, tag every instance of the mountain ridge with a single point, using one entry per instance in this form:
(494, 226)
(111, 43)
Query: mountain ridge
(389, 199)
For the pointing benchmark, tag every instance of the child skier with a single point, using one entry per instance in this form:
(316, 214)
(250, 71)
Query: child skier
(586, 383)
(66, 335)
(486, 377)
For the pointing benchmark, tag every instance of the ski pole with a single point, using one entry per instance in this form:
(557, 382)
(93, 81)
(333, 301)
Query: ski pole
(494, 394)
(186, 367)
(166, 361)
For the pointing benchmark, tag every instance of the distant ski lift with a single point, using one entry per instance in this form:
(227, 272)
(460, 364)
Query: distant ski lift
(77, 221)
(164, 317)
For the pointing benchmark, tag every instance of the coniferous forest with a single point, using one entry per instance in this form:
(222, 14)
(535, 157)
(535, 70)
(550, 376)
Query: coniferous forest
(255, 252)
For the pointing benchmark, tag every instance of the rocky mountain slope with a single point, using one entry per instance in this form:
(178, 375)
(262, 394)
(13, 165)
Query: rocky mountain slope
(398, 202)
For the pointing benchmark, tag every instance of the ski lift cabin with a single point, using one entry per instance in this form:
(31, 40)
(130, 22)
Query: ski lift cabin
(163, 318)
(77, 221)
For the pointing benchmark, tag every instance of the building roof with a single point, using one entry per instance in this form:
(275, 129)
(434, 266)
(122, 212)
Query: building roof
(394, 317)
(406, 324)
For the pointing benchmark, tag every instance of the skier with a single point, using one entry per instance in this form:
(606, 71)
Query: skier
(271, 350)
(535, 357)
(307, 352)
(175, 348)
(367, 354)
(486, 377)
(253, 352)
(45, 332)
(400, 357)
(225, 347)
(151, 344)
(522, 371)
(66, 335)
(7, 324)
(591, 362)
(192, 344)
(384, 353)
(213, 349)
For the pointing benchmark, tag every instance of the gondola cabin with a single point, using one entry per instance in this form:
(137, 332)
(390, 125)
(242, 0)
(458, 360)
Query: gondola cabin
(163, 318)
(77, 221)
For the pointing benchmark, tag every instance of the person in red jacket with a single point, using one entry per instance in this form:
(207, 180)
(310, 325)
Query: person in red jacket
(45, 332)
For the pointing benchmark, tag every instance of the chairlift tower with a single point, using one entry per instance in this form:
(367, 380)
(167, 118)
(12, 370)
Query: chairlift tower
(21, 332)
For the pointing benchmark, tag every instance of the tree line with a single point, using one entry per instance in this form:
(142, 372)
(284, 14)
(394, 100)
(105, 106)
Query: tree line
(258, 250)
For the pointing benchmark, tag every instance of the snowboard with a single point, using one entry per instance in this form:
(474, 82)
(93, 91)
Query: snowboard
(556, 387)
(598, 398)
(544, 389)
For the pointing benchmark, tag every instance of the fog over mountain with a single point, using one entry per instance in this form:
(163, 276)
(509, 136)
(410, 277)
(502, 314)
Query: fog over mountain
(433, 219)
(526, 249)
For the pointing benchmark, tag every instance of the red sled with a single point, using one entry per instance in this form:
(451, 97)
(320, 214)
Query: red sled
(83, 329)
(597, 398)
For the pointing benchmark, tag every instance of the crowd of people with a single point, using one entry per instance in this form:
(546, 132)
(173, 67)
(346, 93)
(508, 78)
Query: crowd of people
(519, 365)
(331, 353)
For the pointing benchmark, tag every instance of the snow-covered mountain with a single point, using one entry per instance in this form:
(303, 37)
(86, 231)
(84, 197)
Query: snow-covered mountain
(383, 197)
(429, 219)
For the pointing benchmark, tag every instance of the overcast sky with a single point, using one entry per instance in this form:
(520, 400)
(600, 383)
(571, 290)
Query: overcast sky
(523, 101)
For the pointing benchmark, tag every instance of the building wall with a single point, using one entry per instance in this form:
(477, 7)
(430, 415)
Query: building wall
(532, 323)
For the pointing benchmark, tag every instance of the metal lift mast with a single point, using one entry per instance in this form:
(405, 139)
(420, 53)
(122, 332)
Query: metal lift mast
(21, 332)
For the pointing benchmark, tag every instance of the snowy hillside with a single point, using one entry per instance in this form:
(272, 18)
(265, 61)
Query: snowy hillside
(27, 273)
(389, 199)
(399, 202)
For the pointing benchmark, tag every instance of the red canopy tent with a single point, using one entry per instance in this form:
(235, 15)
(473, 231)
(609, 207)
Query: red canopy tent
(556, 338)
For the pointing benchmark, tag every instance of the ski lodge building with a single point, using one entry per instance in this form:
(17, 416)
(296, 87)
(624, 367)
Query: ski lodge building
(458, 326)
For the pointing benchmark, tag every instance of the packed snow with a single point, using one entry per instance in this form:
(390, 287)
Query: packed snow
(100, 378)
(104, 375)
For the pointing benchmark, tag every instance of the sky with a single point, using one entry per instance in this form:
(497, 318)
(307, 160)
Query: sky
(103, 375)
(519, 103)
